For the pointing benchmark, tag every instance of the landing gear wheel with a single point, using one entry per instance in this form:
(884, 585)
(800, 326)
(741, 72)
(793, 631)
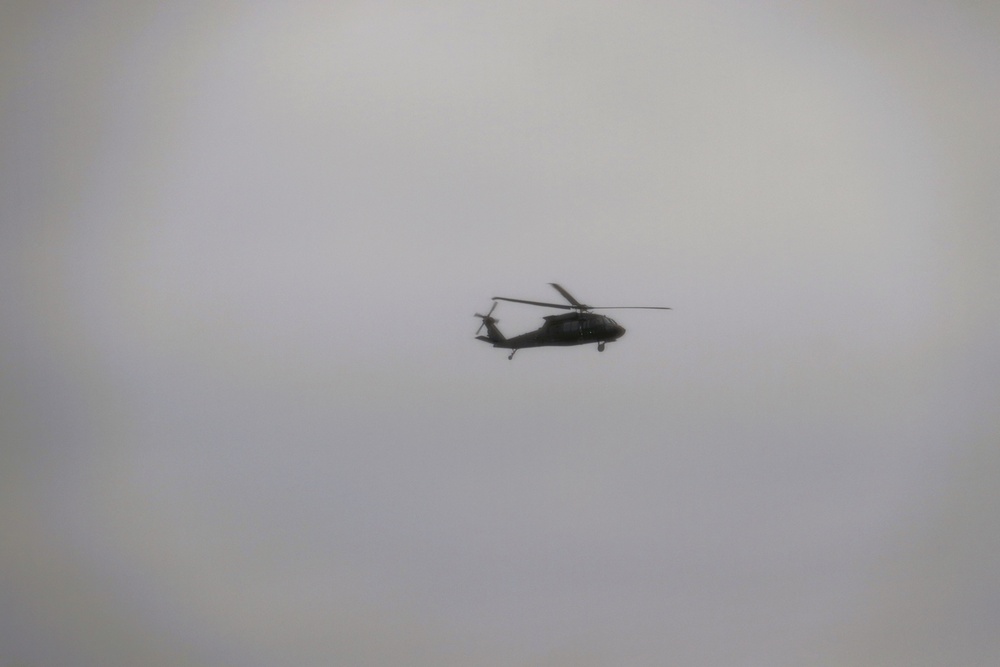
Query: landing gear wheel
(600, 346)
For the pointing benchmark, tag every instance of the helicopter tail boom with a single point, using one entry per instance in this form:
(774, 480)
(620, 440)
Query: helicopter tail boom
(494, 336)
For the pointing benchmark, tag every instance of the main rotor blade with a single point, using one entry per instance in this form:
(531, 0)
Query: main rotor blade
(536, 303)
(568, 296)
(629, 308)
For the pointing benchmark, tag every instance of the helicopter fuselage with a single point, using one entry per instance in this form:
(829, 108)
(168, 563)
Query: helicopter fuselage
(565, 330)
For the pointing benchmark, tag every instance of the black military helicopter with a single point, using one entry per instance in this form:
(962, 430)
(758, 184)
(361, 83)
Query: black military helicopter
(576, 328)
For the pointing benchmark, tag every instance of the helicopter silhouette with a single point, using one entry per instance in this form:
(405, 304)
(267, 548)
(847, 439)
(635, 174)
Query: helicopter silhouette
(579, 327)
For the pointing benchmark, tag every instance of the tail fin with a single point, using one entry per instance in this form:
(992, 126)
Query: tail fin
(494, 336)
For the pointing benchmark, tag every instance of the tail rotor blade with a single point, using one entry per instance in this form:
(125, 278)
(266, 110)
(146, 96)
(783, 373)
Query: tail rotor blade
(485, 317)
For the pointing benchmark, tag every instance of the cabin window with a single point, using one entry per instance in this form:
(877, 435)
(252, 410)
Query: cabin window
(570, 327)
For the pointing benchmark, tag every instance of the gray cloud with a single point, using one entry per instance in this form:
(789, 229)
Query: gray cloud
(244, 419)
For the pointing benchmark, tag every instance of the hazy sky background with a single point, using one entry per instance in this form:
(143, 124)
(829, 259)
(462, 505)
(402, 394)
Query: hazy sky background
(244, 420)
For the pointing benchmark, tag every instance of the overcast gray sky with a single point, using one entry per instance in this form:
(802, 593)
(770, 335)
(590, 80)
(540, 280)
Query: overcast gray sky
(244, 419)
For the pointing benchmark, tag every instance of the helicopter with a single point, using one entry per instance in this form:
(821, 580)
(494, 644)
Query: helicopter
(579, 327)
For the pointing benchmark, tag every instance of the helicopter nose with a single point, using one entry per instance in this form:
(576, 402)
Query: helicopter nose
(619, 331)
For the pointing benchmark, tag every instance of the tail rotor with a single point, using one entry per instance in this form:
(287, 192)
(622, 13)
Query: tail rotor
(486, 318)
